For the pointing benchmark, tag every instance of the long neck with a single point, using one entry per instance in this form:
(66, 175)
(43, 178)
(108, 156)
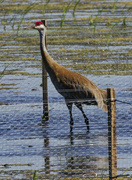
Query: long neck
(46, 58)
(42, 42)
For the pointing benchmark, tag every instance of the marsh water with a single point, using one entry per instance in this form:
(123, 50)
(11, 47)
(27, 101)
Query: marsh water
(96, 43)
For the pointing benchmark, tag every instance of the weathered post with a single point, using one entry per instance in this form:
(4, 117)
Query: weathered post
(45, 85)
(112, 134)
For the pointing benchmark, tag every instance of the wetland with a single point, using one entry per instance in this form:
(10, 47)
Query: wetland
(93, 38)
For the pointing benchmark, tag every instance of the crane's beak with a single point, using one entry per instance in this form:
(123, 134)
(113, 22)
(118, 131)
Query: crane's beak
(30, 27)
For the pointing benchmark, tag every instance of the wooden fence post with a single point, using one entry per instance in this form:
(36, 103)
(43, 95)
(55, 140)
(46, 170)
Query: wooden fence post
(45, 85)
(112, 134)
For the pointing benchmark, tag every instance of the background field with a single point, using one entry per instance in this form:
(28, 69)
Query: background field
(93, 38)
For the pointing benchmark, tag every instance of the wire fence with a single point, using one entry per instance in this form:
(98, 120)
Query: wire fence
(90, 38)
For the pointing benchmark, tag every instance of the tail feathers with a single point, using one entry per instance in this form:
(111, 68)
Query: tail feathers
(101, 98)
(105, 107)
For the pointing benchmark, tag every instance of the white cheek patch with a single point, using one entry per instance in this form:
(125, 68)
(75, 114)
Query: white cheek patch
(41, 26)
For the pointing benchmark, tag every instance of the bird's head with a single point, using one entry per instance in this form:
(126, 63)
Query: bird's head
(39, 26)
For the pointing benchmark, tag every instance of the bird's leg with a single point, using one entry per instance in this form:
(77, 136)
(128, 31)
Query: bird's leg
(69, 105)
(85, 117)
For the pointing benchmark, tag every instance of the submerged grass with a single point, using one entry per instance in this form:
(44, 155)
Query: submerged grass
(3, 72)
(40, 174)
(95, 44)
(87, 56)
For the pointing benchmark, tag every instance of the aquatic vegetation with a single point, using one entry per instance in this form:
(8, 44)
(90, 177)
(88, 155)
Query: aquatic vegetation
(2, 73)
(89, 38)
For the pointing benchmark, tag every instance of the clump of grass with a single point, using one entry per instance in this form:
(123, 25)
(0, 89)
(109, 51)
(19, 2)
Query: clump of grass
(2, 73)
(65, 10)
(35, 175)
(91, 20)
(114, 6)
(45, 6)
(124, 21)
(28, 8)
(75, 6)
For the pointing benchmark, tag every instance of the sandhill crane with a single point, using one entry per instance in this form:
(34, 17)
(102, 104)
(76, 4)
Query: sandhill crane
(75, 88)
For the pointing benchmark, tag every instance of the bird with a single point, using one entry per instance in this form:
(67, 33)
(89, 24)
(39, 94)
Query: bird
(74, 87)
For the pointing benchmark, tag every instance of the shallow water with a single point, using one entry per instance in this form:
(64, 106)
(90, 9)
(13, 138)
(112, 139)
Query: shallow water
(24, 136)
(27, 143)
